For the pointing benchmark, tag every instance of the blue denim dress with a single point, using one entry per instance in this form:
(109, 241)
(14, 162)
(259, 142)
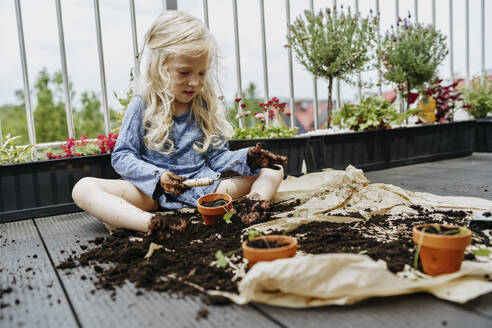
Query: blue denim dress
(144, 167)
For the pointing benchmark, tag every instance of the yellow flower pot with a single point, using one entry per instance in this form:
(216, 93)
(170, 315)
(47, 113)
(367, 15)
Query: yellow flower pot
(427, 106)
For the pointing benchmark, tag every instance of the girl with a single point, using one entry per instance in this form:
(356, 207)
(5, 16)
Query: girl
(173, 130)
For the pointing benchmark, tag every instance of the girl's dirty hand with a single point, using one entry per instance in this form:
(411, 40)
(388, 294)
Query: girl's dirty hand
(173, 183)
(258, 157)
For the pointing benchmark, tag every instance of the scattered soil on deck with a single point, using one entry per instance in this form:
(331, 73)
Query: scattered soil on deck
(187, 255)
(383, 237)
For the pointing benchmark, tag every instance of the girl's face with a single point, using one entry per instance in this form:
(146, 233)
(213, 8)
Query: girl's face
(187, 78)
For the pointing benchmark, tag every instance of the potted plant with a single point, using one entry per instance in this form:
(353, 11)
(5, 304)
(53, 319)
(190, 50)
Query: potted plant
(411, 54)
(440, 247)
(269, 248)
(477, 97)
(214, 207)
(333, 44)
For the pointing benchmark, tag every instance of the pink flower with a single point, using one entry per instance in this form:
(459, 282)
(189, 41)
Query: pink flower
(260, 116)
(246, 113)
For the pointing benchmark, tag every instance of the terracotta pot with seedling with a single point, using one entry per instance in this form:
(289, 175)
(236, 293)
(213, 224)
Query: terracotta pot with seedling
(441, 247)
(214, 207)
(268, 248)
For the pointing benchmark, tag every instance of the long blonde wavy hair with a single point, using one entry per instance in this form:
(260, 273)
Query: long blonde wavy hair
(176, 33)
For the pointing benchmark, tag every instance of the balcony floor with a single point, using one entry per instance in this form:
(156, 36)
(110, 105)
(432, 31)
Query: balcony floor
(42, 296)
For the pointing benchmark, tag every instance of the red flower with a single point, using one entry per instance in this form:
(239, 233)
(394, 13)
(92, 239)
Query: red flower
(288, 114)
(238, 99)
(412, 97)
(242, 105)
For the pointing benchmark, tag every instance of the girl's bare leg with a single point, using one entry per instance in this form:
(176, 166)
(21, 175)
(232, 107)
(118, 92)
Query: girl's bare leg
(116, 202)
(263, 186)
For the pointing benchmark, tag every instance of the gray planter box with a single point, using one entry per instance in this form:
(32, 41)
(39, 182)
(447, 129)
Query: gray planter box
(375, 150)
(43, 188)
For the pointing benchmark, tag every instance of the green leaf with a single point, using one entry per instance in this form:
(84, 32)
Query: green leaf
(252, 234)
(227, 218)
(482, 252)
(221, 259)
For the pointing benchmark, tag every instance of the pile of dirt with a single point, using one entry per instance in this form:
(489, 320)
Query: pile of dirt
(187, 255)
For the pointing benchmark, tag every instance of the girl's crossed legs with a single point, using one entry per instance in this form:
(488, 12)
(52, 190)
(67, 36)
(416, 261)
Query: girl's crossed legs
(121, 204)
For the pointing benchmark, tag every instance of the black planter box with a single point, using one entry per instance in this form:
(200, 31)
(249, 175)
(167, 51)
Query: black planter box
(483, 135)
(293, 148)
(374, 150)
(43, 188)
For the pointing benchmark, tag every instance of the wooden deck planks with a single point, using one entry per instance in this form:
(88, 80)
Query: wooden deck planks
(467, 176)
(416, 310)
(37, 298)
(151, 309)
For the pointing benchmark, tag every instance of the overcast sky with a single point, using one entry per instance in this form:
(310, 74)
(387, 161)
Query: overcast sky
(42, 46)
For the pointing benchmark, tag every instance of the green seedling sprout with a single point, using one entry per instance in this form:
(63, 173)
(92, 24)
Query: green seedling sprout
(482, 252)
(227, 217)
(252, 234)
(222, 258)
(417, 251)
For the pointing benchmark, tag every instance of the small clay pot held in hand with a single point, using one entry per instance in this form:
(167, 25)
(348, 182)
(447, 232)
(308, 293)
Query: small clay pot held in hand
(440, 253)
(270, 254)
(212, 214)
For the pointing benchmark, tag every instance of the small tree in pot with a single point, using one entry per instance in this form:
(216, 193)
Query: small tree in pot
(333, 44)
(411, 54)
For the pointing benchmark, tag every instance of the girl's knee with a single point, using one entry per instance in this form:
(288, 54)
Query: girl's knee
(278, 174)
(83, 186)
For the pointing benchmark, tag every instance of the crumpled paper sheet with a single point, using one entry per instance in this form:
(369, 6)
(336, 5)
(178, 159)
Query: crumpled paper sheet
(317, 280)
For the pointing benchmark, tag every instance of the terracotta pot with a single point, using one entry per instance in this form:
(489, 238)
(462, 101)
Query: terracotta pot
(212, 215)
(440, 254)
(270, 254)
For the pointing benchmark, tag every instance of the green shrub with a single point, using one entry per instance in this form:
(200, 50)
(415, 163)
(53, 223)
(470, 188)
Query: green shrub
(373, 113)
(411, 54)
(261, 132)
(12, 153)
(477, 98)
(333, 44)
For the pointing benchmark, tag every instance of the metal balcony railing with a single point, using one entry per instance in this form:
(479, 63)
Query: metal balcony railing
(172, 5)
